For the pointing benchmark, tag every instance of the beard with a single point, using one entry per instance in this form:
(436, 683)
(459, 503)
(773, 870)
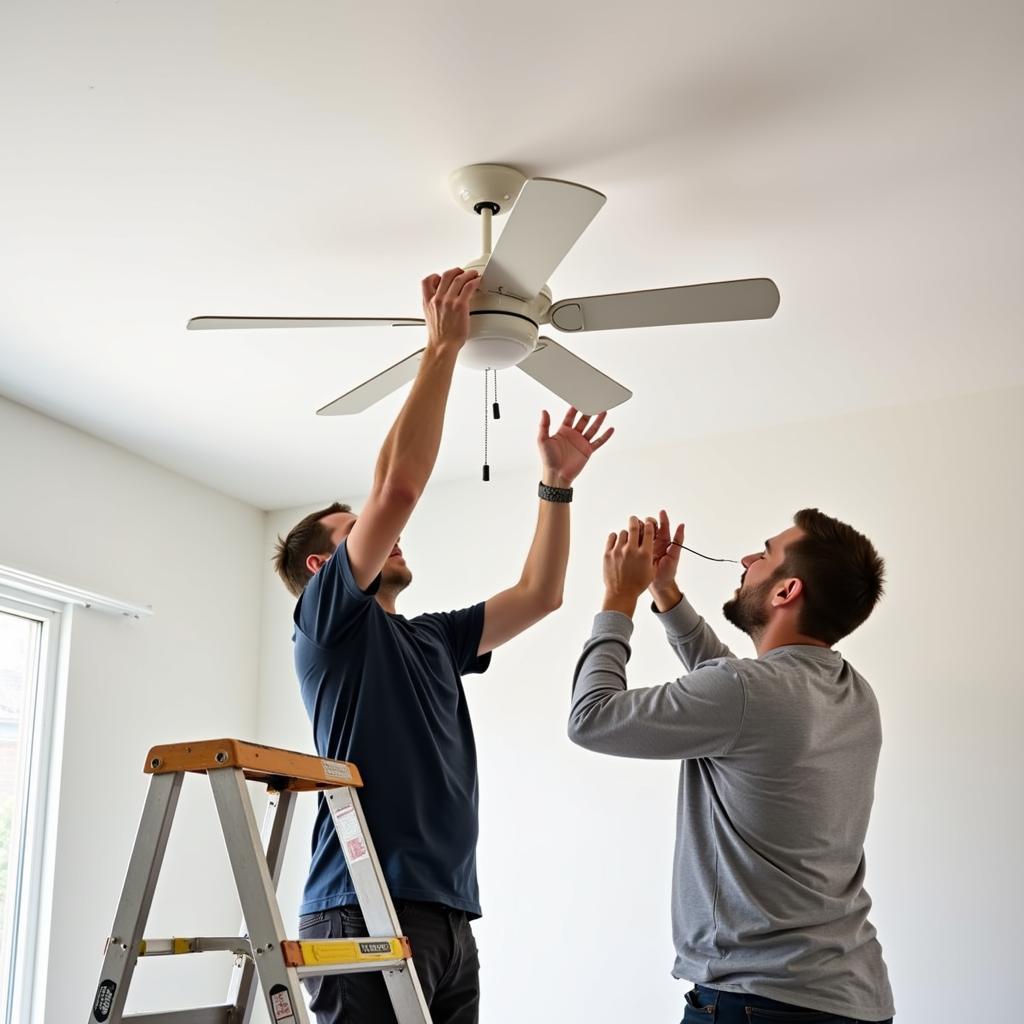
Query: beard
(395, 577)
(748, 610)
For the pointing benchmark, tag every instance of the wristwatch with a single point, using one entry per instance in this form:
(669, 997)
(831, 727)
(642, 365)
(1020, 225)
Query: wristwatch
(560, 495)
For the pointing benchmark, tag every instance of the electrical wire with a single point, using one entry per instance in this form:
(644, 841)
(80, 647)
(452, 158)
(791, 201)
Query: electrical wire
(699, 555)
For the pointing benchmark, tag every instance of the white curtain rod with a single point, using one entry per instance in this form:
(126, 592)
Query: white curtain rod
(42, 587)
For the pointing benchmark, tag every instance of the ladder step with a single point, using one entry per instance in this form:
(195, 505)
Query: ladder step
(202, 1015)
(336, 956)
(283, 769)
(238, 945)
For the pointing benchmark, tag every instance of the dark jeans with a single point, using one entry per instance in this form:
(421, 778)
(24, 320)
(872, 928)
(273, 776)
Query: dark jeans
(443, 950)
(706, 1005)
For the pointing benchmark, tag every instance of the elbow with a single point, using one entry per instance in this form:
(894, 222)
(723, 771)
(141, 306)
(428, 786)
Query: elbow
(398, 493)
(579, 731)
(544, 602)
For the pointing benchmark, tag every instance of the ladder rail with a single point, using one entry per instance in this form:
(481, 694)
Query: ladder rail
(375, 901)
(257, 894)
(277, 823)
(122, 952)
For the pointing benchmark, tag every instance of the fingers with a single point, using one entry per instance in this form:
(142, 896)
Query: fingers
(446, 282)
(641, 530)
(648, 529)
(594, 427)
(429, 286)
(545, 426)
(635, 532)
(569, 416)
(466, 283)
(594, 445)
(455, 284)
(664, 529)
(583, 420)
(610, 543)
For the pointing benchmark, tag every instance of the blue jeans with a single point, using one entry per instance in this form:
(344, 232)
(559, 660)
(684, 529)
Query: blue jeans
(706, 1005)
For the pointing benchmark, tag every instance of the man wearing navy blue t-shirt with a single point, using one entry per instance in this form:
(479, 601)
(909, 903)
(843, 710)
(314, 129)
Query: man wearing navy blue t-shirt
(386, 692)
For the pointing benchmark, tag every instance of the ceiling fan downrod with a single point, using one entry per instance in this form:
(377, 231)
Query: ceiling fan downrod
(487, 212)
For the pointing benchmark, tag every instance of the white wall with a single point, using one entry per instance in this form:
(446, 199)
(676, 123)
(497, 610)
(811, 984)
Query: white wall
(575, 848)
(86, 513)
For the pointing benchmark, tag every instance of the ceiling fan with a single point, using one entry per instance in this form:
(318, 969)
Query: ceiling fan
(513, 299)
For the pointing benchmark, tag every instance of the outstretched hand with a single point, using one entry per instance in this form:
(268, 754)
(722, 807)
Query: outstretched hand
(565, 453)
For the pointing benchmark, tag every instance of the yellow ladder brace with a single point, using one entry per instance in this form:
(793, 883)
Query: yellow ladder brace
(370, 953)
(197, 944)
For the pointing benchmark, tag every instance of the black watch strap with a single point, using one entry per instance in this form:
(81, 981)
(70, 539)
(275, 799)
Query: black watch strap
(561, 495)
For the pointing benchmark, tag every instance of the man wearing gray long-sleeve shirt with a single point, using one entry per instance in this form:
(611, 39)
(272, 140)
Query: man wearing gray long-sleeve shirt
(778, 755)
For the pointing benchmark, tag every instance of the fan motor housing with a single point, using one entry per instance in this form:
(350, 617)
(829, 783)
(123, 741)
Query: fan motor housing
(503, 329)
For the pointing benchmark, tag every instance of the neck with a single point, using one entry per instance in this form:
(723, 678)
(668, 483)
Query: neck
(782, 634)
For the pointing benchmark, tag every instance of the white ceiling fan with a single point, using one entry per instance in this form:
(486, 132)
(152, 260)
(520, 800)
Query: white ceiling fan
(513, 299)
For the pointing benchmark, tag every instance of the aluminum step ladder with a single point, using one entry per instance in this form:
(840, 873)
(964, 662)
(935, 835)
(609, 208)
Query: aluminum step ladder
(263, 952)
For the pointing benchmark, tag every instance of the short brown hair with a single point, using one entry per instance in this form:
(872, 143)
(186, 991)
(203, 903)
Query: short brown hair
(307, 537)
(842, 573)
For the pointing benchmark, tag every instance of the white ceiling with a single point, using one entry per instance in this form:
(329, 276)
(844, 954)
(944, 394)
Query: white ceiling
(163, 160)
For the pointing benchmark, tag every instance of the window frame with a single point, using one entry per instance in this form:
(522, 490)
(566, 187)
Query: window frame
(33, 869)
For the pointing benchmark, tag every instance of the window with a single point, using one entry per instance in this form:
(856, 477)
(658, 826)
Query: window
(35, 626)
(30, 642)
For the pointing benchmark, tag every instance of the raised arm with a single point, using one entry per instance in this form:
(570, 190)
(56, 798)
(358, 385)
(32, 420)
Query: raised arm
(693, 640)
(539, 589)
(409, 451)
(698, 715)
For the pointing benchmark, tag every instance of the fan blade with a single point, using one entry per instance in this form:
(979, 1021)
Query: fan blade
(548, 218)
(217, 323)
(572, 379)
(754, 299)
(372, 391)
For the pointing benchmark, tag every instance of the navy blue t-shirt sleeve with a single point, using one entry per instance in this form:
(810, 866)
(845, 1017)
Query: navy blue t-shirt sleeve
(462, 631)
(332, 603)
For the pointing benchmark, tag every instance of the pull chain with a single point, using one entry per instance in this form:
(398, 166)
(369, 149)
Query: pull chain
(487, 468)
(496, 409)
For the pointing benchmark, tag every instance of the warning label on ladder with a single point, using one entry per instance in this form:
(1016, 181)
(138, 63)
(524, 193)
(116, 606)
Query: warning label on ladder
(281, 1004)
(351, 834)
(337, 770)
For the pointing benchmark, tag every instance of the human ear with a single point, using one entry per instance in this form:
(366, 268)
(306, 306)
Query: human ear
(314, 563)
(787, 592)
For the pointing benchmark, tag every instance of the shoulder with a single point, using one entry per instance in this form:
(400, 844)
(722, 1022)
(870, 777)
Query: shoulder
(735, 668)
(721, 679)
(332, 606)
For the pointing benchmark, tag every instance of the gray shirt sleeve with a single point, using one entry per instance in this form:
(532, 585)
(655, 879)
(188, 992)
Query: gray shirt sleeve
(692, 639)
(698, 715)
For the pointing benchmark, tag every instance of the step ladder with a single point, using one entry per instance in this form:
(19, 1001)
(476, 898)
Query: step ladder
(263, 952)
